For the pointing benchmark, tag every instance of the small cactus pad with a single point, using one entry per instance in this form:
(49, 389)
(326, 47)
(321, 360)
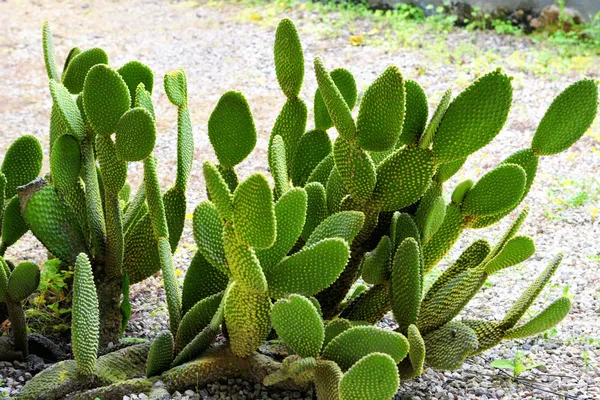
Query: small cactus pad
(160, 355)
(135, 135)
(22, 163)
(346, 84)
(474, 118)
(231, 129)
(569, 116)
(23, 281)
(289, 59)
(134, 73)
(417, 111)
(373, 377)
(74, 75)
(175, 83)
(299, 325)
(105, 98)
(67, 109)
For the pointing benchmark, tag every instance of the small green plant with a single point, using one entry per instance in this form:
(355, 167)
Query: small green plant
(517, 365)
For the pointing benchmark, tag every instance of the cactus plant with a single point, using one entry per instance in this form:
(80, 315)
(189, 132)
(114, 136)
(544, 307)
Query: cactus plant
(370, 205)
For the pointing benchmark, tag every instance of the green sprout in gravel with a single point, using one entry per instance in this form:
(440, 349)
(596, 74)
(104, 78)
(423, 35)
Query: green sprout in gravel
(276, 264)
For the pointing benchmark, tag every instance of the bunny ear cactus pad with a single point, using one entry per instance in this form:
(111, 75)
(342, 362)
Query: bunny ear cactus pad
(415, 116)
(406, 282)
(373, 377)
(49, 53)
(339, 111)
(160, 355)
(231, 129)
(105, 98)
(381, 113)
(312, 148)
(176, 87)
(289, 59)
(23, 281)
(135, 135)
(346, 84)
(448, 346)
(299, 325)
(543, 321)
(134, 73)
(474, 118)
(22, 163)
(13, 224)
(66, 107)
(65, 162)
(569, 116)
(499, 190)
(85, 329)
(74, 75)
(290, 125)
(355, 168)
(253, 212)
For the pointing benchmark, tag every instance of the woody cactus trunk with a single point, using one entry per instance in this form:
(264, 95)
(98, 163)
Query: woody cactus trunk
(282, 261)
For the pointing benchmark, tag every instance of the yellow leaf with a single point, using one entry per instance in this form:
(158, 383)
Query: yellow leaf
(256, 17)
(358, 40)
(178, 272)
(189, 216)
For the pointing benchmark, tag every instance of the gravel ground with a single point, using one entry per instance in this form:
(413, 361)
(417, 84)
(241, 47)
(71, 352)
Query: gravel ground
(222, 49)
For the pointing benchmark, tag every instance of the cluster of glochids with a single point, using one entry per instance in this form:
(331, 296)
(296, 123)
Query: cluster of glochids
(276, 264)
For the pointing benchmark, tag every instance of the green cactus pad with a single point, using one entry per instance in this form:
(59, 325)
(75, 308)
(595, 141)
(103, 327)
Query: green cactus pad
(370, 306)
(134, 73)
(105, 98)
(310, 270)
(22, 163)
(516, 250)
(231, 129)
(85, 326)
(461, 190)
(486, 197)
(113, 170)
(13, 224)
(140, 252)
(433, 125)
(247, 316)
(381, 113)
(402, 226)
(489, 334)
(136, 135)
(23, 281)
(543, 321)
(175, 83)
(316, 209)
(471, 257)
(355, 168)
(406, 284)
(278, 166)
(67, 109)
(338, 109)
(52, 221)
(290, 212)
(334, 328)
(201, 280)
(529, 295)
(346, 84)
(49, 53)
(293, 367)
(74, 75)
(253, 212)
(243, 263)
(170, 283)
(156, 208)
(353, 344)
(299, 325)
(160, 355)
(434, 219)
(197, 346)
(144, 99)
(403, 178)
(462, 131)
(196, 319)
(335, 191)
(175, 207)
(374, 377)
(570, 115)
(289, 59)
(447, 347)
(327, 377)
(208, 233)
(65, 162)
(312, 148)
(72, 54)
(416, 355)
(445, 237)
(376, 264)
(417, 111)
(344, 225)
(4, 276)
(291, 125)
(218, 190)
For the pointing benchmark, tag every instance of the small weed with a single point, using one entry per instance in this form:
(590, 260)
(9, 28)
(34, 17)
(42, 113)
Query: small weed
(517, 365)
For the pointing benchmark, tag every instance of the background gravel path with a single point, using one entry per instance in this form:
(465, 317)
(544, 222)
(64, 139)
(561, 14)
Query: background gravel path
(222, 49)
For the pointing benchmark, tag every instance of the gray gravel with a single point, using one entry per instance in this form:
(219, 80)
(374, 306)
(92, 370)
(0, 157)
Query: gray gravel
(221, 50)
